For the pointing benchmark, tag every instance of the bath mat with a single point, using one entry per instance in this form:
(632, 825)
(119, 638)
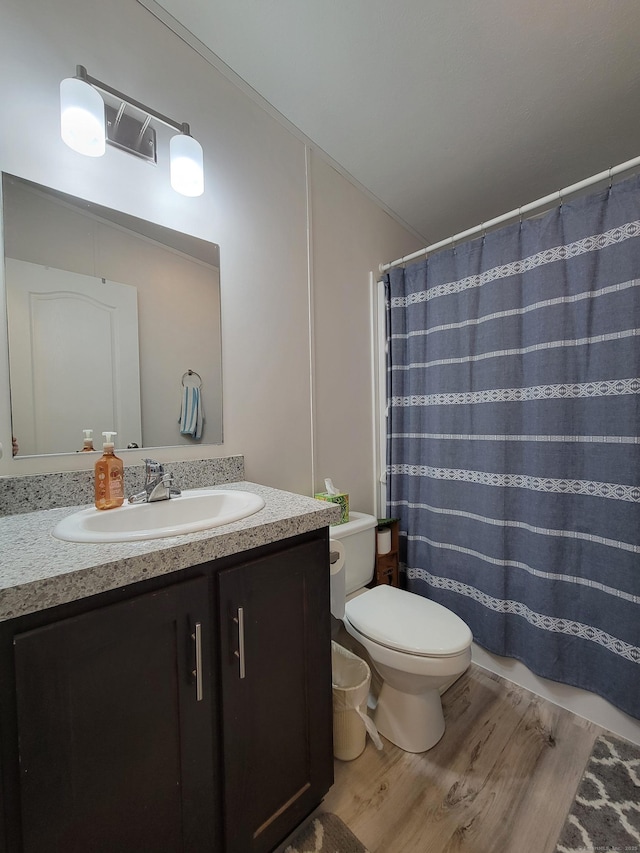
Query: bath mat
(326, 834)
(605, 814)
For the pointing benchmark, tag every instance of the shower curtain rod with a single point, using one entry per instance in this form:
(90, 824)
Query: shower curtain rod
(518, 212)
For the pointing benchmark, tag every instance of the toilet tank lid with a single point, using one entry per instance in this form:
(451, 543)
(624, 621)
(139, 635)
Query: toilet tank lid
(358, 521)
(408, 622)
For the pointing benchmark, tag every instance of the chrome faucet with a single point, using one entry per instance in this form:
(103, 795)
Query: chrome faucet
(158, 485)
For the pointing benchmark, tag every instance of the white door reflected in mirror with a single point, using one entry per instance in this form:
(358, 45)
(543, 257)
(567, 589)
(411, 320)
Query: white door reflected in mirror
(73, 358)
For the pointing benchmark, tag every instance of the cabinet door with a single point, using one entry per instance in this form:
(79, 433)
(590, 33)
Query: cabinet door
(276, 694)
(115, 727)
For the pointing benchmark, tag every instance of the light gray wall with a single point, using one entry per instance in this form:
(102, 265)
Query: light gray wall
(277, 303)
(349, 231)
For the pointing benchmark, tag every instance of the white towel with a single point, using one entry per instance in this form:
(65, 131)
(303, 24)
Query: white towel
(191, 414)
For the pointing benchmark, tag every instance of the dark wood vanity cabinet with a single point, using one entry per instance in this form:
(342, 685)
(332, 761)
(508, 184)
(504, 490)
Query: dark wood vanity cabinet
(114, 713)
(276, 708)
(126, 723)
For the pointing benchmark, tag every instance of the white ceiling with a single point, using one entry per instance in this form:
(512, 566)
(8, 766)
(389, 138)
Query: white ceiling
(450, 112)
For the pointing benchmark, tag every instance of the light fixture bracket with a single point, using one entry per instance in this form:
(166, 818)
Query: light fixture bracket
(125, 100)
(83, 129)
(128, 133)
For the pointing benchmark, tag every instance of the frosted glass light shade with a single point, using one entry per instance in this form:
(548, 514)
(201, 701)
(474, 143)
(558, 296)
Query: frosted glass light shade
(82, 122)
(187, 165)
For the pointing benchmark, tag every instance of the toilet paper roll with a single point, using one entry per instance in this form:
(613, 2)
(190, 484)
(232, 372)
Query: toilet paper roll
(338, 579)
(384, 540)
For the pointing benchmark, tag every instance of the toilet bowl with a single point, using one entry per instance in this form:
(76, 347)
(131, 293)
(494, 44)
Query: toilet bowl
(416, 645)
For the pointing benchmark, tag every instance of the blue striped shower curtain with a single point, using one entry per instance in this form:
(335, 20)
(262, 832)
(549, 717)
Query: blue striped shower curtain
(513, 456)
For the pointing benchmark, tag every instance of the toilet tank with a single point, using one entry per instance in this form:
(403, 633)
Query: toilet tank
(358, 538)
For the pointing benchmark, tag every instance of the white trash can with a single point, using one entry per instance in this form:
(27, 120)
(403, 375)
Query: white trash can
(351, 678)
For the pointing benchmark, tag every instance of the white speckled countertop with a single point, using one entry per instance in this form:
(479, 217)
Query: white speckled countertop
(39, 571)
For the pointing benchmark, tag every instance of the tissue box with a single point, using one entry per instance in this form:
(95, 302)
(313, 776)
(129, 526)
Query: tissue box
(341, 499)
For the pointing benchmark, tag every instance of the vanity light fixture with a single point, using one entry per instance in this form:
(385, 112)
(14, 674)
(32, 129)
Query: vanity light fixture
(87, 123)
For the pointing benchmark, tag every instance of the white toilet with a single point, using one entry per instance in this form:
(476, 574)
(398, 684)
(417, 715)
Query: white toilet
(416, 645)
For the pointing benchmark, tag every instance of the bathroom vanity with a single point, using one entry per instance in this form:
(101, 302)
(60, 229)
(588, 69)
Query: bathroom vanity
(168, 695)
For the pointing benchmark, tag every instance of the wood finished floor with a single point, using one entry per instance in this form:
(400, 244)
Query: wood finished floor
(501, 780)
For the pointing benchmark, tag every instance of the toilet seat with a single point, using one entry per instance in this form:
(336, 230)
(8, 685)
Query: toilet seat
(407, 622)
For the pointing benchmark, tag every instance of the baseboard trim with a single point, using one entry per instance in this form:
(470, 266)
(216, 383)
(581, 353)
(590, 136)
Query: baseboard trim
(579, 702)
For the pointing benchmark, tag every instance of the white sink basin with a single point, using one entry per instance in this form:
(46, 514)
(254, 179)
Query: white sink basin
(195, 509)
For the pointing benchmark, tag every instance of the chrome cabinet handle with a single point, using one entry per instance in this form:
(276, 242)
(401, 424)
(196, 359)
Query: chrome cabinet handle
(197, 672)
(239, 653)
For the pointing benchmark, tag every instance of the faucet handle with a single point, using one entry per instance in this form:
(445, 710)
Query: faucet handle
(153, 468)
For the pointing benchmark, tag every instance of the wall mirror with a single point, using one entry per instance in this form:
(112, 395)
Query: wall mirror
(109, 318)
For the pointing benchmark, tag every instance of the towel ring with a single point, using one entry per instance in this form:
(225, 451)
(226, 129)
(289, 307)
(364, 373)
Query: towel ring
(192, 373)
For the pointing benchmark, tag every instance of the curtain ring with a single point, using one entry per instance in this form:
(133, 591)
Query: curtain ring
(520, 216)
(561, 199)
(610, 178)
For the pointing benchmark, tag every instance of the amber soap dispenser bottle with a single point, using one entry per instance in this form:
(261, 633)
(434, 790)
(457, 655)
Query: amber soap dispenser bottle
(109, 476)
